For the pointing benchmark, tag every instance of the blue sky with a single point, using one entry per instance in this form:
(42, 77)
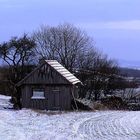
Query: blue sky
(113, 24)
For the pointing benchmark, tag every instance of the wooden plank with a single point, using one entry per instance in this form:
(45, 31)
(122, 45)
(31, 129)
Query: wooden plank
(40, 76)
(64, 96)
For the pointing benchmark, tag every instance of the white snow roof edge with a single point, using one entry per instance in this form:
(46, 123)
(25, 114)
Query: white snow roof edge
(72, 79)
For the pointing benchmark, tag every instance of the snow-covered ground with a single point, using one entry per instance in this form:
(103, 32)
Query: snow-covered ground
(101, 125)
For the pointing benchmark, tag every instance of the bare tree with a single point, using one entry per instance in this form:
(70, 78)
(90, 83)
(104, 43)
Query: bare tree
(74, 49)
(96, 71)
(17, 54)
(64, 43)
(89, 59)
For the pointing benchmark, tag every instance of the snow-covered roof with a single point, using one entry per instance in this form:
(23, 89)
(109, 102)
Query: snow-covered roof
(59, 68)
(63, 71)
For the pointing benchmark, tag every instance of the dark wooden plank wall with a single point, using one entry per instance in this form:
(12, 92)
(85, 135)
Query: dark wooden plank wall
(45, 75)
(47, 103)
(27, 102)
(25, 97)
(38, 104)
(65, 97)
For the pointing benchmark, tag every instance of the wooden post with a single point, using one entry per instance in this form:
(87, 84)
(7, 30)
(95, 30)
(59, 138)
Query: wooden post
(74, 98)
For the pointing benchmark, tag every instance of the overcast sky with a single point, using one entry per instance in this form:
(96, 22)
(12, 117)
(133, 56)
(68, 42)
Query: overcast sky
(113, 24)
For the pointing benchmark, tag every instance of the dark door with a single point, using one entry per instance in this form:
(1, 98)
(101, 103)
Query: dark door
(55, 100)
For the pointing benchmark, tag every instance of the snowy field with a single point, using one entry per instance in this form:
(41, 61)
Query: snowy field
(100, 125)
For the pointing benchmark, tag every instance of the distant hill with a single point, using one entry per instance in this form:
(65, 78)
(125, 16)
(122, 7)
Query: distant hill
(132, 64)
(130, 72)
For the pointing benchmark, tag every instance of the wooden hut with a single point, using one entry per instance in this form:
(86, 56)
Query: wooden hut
(50, 86)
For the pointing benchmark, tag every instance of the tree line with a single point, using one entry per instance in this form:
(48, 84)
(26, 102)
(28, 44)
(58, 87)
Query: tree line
(67, 44)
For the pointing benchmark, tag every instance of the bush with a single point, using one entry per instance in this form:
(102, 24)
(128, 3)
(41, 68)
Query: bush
(134, 107)
(98, 106)
(114, 103)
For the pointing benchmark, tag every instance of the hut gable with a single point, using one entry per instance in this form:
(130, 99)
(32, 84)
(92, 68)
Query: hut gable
(50, 72)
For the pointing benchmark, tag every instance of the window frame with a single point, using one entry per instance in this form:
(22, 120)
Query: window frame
(38, 90)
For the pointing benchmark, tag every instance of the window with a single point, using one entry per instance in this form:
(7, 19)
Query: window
(38, 94)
